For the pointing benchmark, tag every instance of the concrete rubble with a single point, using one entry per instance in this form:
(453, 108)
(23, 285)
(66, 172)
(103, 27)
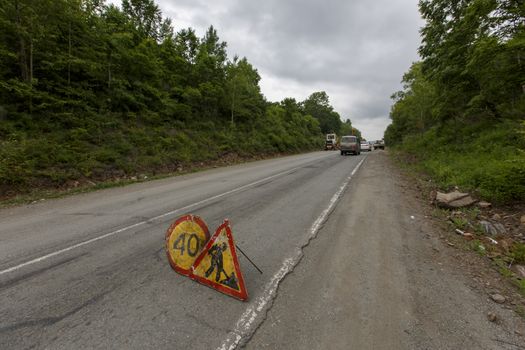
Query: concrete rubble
(519, 270)
(454, 200)
(492, 229)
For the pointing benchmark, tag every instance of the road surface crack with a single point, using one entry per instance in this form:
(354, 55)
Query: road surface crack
(295, 262)
(49, 321)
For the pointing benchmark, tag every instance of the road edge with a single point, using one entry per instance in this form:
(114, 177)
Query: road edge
(246, 326)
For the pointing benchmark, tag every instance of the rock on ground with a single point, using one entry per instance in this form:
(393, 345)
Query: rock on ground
(493, 229)
(498, 298)
(454, 200)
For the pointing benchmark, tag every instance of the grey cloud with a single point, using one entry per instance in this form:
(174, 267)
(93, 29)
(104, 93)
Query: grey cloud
(355, 50)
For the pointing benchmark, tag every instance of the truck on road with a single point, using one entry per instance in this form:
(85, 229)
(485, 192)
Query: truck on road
(331, 142)
(379, 144)
(350, 144)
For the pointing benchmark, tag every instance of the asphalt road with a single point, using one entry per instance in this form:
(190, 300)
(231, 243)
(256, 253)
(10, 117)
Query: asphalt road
(89, 271)
(350, 261)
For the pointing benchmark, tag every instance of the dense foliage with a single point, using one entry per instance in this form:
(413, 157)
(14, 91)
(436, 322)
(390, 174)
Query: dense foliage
(462, 109)
(89, 90)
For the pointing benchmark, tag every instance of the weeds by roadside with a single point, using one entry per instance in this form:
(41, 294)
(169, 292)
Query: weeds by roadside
(504, 252)
(78, 187)
(485, 159)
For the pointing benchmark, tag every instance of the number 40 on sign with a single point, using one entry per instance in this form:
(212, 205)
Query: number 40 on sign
(184, 240)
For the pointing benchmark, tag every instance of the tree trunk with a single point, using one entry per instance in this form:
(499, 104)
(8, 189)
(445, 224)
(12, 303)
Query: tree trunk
(233, 100)
(109, 70)
(69, 57)
(22, 54)
(31, 75)
(233, 105)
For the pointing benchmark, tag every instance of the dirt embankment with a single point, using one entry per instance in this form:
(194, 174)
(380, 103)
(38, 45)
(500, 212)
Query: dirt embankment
(42, 188)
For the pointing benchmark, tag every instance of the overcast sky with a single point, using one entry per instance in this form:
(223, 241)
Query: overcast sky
(355, 50)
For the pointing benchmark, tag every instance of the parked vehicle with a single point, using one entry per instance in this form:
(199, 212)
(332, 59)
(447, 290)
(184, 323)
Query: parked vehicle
(365, 146)
(350, 144)
(331, 142)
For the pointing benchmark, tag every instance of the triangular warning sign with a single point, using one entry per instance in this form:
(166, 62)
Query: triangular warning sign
(218, 267)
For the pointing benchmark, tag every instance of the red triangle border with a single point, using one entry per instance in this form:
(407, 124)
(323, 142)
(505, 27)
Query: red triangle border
(242, 294)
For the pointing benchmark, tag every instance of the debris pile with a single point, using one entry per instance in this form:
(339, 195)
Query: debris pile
(494, 232)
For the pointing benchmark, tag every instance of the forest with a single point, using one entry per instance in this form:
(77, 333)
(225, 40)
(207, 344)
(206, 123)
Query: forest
(90, 91)
(461, 114)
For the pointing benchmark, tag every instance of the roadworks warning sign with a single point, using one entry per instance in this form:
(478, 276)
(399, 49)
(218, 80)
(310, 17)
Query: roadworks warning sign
(218, 266)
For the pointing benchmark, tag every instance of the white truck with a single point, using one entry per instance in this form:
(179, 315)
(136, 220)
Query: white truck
(379, 144)
(330, 142)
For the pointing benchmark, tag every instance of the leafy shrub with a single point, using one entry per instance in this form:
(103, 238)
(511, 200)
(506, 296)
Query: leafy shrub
(485, 158)
(104, 146)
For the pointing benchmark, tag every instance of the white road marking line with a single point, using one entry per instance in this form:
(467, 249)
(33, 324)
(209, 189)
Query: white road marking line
(89, 241)
(247, 319)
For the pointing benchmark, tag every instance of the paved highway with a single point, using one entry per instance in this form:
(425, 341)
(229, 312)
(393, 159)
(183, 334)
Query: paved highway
(89, 271)
(350, 261)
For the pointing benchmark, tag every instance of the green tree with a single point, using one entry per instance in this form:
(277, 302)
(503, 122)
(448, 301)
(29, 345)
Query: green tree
(243, 92)
(89, 90)
(348, 129)
(461, 107)
(147, 19)
(318, 106)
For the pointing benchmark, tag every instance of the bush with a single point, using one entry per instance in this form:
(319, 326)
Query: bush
(484, 158)
(101, 147)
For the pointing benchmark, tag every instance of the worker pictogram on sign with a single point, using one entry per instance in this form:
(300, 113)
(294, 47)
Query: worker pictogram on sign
(184, 241)
(218, 267)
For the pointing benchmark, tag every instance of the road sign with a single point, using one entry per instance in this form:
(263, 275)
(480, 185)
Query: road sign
(218, 267)
(184, 241)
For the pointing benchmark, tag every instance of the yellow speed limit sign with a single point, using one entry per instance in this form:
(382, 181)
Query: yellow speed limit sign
(184, 241)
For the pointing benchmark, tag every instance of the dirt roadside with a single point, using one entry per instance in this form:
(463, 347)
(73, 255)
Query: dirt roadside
(381, 275)
(41, 190)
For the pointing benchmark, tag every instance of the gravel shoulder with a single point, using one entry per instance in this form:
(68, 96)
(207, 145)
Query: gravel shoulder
(379, 275)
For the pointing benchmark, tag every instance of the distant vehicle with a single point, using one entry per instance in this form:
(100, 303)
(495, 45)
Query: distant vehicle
(350, 144)
(365, 146)
(379, 144)
(330, 142)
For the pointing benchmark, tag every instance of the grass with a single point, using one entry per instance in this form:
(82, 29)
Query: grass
(490, 164)
(487, 159)
(39, 194)
(517, 253)
(44, 194)
(440, 213)
(521, 287)
(503, 268)
(43, 162)
(460, 222)
(478, 247)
